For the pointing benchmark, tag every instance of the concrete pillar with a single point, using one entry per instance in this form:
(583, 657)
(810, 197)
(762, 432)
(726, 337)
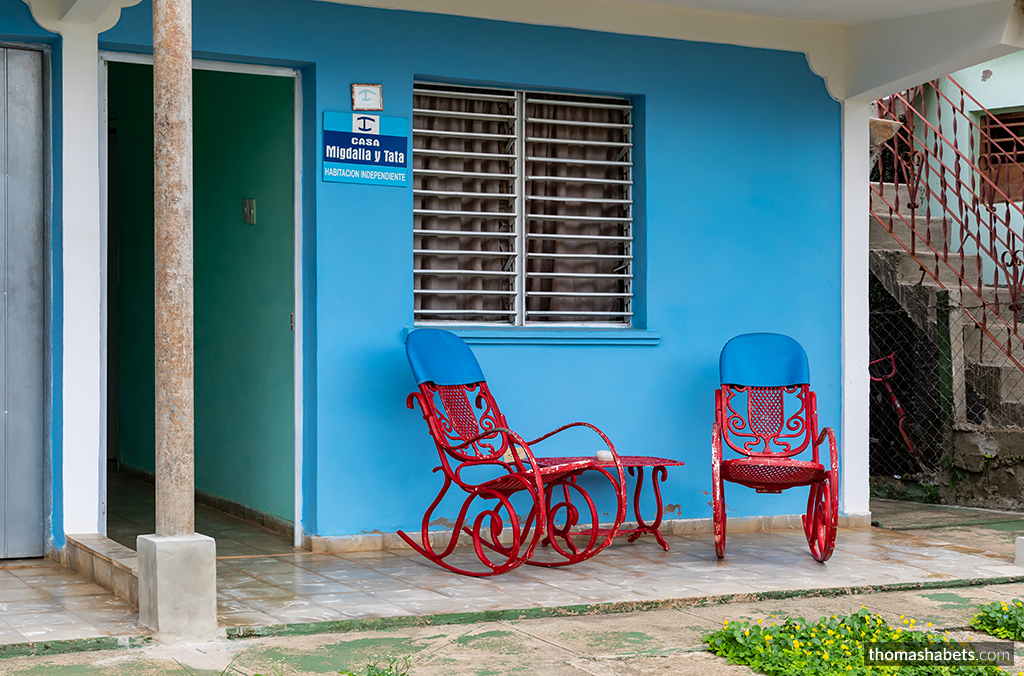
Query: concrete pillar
(172, 226)
(854, 494)
(177, 567)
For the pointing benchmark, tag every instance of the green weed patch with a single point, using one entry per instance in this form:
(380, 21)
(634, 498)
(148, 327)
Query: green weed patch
(1005, 620)
(832, 645)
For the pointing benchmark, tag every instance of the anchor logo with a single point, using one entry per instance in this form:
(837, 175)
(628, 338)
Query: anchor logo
(365, 124)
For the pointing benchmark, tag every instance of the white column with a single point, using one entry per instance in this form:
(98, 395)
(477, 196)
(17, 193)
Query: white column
(83, 387)
(854, 492)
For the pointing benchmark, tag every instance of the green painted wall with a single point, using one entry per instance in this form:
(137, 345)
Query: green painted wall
(243, 131)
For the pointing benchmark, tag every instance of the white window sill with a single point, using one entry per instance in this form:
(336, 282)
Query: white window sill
(531, 336)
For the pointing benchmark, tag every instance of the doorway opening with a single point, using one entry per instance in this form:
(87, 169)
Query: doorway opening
(244, 340)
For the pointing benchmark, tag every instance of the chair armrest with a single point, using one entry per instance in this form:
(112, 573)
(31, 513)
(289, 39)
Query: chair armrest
(620, 471)
(832, 446)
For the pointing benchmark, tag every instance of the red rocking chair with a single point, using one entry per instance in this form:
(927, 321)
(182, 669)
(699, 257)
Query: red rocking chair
(766, 411)
(473, 439)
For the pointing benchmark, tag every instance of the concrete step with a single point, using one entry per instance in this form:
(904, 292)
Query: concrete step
(892, 195)
(1000, 384)
(879, 237)
(979, 348)
(909, 270)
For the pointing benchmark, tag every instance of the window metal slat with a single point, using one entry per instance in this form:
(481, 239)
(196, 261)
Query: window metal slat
(579, 123)
(575, 142)
(578, 219)
(461, 252)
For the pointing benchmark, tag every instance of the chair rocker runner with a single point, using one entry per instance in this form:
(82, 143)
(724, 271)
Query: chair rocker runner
(496, 467)
(766, 412)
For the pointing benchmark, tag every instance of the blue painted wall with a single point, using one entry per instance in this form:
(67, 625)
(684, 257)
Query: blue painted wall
(740, 220)
(18, 26)
(738, 225)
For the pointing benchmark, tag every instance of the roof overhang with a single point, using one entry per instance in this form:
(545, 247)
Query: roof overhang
(862, 49)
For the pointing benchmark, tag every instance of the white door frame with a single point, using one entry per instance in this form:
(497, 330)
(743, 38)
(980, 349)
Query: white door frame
(106, 57)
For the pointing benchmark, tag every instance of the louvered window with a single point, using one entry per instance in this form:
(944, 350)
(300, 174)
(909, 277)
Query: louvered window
(522, 209)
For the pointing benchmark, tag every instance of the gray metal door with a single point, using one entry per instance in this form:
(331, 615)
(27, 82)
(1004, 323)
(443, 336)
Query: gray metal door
(22, 302)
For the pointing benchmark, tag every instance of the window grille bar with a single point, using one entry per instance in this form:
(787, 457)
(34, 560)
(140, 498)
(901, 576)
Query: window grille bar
(463, 174)
(583, 313)
(469, 214)
(418, 131)
(576, 294)
(465, 193)
(581, 275)
(570, 160)
(586, 256)
(456, 153)
(461, 114)
(578, 123)
(579, 219)
(579, 179)
(468, 234)
(585, 200)
(464, 91)
(442, 272)
(461, 95)
(595, 238)
(570, 141)
(550, 96)
(581, 104)
(463, 312)
(460, 292)
(462, 252)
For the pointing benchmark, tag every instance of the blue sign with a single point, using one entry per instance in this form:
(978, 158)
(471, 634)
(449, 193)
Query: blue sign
(361, 148)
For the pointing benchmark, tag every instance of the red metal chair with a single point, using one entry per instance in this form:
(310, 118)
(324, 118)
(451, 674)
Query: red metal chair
(473, 439)
(766, 411)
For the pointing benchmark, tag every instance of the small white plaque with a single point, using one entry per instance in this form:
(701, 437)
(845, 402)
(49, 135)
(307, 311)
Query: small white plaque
(367, 97)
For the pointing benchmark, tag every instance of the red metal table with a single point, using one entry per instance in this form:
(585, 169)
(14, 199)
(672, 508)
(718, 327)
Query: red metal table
(633, 464)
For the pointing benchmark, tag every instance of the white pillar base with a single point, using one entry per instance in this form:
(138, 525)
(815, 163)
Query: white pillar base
(1018, 551)
(178, 586)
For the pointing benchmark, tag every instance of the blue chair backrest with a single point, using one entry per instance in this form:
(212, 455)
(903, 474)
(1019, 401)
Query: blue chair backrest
(442, 358)
(763, 360)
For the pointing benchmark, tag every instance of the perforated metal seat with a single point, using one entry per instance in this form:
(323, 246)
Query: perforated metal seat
(765, 475)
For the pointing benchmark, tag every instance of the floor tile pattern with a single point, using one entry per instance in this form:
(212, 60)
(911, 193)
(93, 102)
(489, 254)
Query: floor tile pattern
(271, 583)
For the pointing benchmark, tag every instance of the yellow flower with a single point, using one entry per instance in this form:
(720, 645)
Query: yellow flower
(929, 624)
(767, 637)
(746, 633)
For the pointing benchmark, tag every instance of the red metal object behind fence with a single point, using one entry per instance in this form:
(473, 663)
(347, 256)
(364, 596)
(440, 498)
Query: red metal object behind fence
(965, 190)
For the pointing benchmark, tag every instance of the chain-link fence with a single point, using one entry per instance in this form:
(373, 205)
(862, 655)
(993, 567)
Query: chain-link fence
(944, 399)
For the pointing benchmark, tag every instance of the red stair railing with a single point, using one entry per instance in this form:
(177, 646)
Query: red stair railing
(965, 188)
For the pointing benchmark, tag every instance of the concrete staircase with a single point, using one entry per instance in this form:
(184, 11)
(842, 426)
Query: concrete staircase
(977, 360)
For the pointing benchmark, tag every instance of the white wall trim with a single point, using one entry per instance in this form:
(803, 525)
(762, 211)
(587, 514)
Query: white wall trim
(298, 310)
(83, 386)
(855, 490)
(204, 64)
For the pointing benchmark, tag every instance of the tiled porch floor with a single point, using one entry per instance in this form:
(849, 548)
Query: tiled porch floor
(276, 584)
